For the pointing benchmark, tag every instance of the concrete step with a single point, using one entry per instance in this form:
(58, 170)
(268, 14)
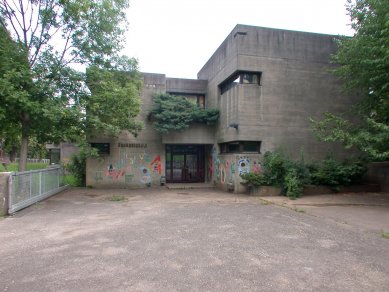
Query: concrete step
(186, 186)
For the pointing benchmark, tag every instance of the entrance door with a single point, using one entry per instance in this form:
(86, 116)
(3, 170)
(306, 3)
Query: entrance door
(184, 163)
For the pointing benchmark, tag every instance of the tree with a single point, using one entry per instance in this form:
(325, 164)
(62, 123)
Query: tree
(41, 94)
(176, 113)
(364, 68)
(114, 103)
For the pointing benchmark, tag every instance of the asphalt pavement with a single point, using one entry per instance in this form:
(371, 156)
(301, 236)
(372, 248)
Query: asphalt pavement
(184, 240)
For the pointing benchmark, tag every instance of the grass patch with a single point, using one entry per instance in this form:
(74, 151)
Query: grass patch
(299, 210)
(385, 235)
(13, 167)
(70, 180)
(116, 198)
(264, 202)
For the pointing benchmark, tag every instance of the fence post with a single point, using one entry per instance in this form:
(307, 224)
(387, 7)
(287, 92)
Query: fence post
(40, 183)
(4, 192)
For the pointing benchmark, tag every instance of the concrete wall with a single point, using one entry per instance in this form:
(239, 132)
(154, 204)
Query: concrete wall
(181, 85)
(378, 172)
(226, 169)
(133, 161)
(136, 162)
(195, 134)
(295, 87)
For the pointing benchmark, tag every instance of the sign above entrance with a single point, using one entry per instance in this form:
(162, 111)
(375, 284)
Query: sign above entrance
(132, 145)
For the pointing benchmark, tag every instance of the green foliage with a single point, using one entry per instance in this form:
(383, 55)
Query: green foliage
(279, 170)
(333, 173)
(364, 63)
(291, 176)
(176, 113)
(114, 103)
(41, 96)
(13, 167)
(77, 164)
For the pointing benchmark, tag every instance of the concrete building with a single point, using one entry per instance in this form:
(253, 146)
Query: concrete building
(267, 84)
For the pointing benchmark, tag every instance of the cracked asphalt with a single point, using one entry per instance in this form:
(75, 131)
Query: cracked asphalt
(183, 240)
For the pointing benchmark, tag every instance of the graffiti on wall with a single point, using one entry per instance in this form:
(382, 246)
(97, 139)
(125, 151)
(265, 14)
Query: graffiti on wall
(223, 169)
(134, 165)
(156, 165)
(243, 165)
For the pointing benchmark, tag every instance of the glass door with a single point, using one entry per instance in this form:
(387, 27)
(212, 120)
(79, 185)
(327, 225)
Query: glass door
(184, 163)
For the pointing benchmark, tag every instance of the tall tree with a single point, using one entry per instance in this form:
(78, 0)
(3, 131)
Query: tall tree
(364, 68)
(41, 93)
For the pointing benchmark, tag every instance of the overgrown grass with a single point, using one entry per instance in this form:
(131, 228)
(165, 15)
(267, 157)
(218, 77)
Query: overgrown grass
(30, 166)
(71, 180)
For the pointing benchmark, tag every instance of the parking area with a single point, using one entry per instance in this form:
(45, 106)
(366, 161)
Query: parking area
(184, 240)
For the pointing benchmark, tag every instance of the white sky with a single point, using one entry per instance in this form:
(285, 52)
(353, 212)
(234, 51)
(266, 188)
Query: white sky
(177, 37)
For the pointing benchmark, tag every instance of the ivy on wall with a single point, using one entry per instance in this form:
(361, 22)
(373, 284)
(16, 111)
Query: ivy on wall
(177, 113)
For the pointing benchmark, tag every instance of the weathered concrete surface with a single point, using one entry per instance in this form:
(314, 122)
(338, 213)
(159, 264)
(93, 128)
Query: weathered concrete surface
(195, 240)
(366, 211)
(4, 193)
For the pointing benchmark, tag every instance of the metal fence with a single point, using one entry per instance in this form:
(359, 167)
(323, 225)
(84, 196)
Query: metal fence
(35, 160)
(29, 187)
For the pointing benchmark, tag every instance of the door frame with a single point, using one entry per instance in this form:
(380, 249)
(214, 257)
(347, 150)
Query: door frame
(179, 149)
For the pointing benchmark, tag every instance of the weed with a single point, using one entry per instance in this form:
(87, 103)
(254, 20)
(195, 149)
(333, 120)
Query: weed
(385, 235)
(116, 198)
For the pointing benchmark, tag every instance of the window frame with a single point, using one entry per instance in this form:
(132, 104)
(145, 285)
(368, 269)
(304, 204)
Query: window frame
(238, 78)
(224, 147)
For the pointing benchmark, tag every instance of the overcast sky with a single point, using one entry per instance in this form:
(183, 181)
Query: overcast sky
(177, 37)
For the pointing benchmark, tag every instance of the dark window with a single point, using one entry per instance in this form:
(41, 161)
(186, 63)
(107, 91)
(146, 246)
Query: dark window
(198, 99)
(240, 77)
(102, 148)
(240, 147)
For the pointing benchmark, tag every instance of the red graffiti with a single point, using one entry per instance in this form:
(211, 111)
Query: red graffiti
(156, 164)
(115, 173)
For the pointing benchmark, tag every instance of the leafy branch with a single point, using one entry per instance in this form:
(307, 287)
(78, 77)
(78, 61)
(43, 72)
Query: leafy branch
(177, 113)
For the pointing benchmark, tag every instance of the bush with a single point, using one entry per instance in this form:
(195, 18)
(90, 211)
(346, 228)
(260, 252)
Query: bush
(293, 184)
(279, 170)
(333, 173)
(291, 176)
(77, 165)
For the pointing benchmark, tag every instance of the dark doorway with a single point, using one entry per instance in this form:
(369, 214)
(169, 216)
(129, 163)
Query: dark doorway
(184, 163)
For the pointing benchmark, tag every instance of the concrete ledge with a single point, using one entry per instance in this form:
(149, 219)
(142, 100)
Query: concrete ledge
(265, 191)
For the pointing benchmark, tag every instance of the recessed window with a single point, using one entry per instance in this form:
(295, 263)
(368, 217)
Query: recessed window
(102, 148)
(241, 147)
(240, 77)
(198, 99)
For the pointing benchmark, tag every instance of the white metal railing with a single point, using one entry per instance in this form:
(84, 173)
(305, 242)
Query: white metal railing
(29, 187)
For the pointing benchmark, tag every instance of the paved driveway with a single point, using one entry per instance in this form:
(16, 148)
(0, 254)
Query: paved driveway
(198, 240)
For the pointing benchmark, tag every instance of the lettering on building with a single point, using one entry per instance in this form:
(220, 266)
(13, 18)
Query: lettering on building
(132, 145)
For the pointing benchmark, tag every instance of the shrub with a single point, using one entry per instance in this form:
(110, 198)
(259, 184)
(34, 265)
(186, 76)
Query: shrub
(291, 176)
(77, 165)
(333, 173)
(293, 184)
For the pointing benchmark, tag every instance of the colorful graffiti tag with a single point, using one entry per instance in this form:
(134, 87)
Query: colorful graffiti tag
(131, 168)
(243, 165)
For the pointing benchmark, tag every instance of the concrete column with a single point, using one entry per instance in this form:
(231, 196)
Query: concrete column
(4, 194)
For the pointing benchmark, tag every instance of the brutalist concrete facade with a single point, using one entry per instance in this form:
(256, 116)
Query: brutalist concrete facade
(267, 84)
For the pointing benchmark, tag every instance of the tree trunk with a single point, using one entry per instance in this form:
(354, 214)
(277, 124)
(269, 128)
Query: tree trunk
(24, 143)
(12, 154)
